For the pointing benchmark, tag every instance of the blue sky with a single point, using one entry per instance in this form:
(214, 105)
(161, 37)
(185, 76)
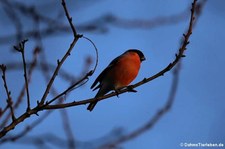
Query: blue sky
(197, 113)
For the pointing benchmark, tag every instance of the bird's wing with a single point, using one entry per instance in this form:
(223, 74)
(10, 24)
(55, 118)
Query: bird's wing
(103, 73)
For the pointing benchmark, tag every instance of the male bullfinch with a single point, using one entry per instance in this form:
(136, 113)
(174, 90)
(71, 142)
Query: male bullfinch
(119, 73)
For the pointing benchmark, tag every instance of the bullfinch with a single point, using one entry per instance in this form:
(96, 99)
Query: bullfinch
(119, 73)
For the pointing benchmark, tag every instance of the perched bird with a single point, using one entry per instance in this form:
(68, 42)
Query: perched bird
(119, 73)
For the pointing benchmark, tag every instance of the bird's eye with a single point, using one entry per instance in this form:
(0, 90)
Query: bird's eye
(143, 58)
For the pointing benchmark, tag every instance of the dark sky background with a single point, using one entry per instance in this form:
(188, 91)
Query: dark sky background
(197, 115)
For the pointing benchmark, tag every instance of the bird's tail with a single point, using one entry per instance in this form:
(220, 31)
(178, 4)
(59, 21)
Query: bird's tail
(91, 106)
(101, 92)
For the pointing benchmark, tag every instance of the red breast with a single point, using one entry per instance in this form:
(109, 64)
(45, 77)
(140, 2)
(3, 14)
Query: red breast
(126, 70)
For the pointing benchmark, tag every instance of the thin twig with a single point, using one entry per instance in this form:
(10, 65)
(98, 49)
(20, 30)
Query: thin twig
(21, 49)
(30, 71)
(31, 67)
(9, 100)
(96, 52)
(69, 89)
(80, 82)
(69, 19)
(60, 62)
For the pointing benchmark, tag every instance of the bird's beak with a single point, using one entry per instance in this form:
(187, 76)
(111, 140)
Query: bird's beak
(143, 58)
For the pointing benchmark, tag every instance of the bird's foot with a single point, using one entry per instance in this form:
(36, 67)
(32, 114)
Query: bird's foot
(131, 89)
(117, 92)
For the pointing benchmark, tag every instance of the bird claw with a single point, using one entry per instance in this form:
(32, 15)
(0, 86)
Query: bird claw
(131, 89)
(117, 92)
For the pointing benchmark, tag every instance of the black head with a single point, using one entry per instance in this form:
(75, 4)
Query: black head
(141, 55)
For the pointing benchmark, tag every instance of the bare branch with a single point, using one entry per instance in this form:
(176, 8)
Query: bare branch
(21, 49)
(30, 71)
(31, 66)
(96, 52)
(80, 82)
(69, 19)
(179, 55)
(44, 106)
(60, 62)
(9, 100)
